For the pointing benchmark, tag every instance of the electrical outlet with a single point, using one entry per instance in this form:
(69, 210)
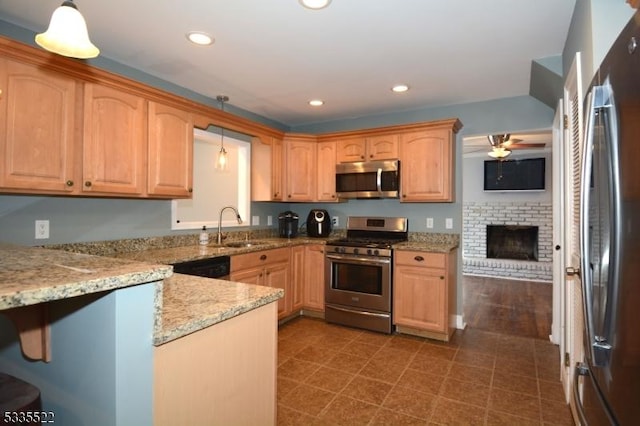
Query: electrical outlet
(335, 221)
(429, 223)
(448, 223)
(269, 220)
(255, 220)
(42, 229)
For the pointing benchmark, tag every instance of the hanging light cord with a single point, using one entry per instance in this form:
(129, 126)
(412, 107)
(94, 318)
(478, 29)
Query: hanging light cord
(222, 155)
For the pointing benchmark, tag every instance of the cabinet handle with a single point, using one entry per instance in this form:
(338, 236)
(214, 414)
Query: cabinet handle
(289, 195)
(69, 183)
(190, 190)
(419, 258)
(404, 195)
(263, 257)
(442, 277)
(333, 195)
(362, 157)
(268, 273)
(370, 155)
(88, 184)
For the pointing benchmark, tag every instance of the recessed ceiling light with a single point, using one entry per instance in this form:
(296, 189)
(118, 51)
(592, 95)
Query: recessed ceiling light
(200, 38)
(399, 88)
(316, 102)
(315, 4)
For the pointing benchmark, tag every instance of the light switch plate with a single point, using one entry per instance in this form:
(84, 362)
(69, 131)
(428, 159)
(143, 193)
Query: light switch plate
(429, 223)
(335, 221)
(42, 229)
(448, 223)
(269, 220)
(255, 220)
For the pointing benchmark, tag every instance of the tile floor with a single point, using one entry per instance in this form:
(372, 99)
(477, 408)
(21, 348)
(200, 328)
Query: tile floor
(333, 375)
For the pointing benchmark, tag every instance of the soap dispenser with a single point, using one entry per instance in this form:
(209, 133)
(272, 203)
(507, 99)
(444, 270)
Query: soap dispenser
(204, 236)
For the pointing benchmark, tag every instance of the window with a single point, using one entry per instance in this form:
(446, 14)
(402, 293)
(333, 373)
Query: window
(214, 189)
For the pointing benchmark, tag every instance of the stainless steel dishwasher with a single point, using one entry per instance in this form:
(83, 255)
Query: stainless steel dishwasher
(213, 267)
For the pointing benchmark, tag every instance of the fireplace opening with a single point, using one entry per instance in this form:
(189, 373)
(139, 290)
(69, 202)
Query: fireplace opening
(519, 242)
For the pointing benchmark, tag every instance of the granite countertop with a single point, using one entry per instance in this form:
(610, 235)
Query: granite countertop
(427, 246)
(30, 275)
(192, 303)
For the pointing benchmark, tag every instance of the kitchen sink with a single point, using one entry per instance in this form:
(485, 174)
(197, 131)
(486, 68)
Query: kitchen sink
(243, 244)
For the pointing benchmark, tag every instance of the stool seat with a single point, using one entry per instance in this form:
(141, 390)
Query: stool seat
(17, 395)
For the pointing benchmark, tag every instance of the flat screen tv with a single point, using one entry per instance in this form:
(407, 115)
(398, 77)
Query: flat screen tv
(514, 175)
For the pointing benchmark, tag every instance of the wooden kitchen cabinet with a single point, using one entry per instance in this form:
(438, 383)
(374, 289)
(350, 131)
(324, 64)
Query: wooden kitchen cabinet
(298, 277)
(313, 297)
(326, 180)
(376, 147)
(267, 174)
(301, 167)
(38, 123)
(115, 141)
(424, 293)
(170, 151)
(269, 268)
(427, 159)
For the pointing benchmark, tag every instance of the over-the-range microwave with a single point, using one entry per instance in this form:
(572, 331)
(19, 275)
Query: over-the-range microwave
(368, 179)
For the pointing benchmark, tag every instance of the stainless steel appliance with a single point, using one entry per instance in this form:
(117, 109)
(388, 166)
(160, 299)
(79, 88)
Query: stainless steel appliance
(369, 179)
(358, 272)
(318, 223)
(288, 224)
(607, 384)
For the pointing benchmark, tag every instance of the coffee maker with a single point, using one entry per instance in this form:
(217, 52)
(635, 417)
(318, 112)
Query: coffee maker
(318, 223)
(288, 224)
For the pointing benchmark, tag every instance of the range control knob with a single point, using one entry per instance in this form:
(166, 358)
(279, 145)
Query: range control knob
(376, 252)
(369, 252)
(356, 251)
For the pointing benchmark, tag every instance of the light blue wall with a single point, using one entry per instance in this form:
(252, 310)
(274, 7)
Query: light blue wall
(101, 369)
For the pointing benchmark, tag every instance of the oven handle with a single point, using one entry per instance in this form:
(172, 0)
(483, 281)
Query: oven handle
(359, 259)
(379, 179)
(353, 311)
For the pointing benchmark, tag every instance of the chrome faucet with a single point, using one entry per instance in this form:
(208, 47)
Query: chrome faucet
(220, 221)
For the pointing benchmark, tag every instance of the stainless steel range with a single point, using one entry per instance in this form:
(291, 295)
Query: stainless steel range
(358, 272)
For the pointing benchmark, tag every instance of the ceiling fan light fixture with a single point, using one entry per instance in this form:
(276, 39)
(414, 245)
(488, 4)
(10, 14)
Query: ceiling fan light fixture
(200, 38)
(315, 4)
(499, 153)
(67, 34)
(316, 102)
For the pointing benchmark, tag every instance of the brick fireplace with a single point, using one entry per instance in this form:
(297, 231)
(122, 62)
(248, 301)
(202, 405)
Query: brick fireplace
(523, 240)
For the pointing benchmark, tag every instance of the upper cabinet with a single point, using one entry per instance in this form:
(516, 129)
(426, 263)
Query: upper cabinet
(326, 182)
(266, 169)
(377, 147)
(114, 154)
(300, 180)
(170, 153)
(37, 128)
(427, 158)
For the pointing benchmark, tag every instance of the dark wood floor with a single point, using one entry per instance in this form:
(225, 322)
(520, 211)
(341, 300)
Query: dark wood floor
(521, 308)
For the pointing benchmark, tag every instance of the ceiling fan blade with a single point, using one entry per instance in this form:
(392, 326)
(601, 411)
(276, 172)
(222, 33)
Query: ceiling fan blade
(528, 146)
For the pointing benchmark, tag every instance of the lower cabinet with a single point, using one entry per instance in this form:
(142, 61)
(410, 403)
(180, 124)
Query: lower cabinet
(269, 268)
(313, 297)
(424, 293)
(222, 375)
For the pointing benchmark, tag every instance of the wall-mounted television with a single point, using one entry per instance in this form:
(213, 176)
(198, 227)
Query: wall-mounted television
(514, 175)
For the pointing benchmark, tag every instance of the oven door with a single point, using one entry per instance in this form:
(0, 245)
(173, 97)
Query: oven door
(358, 281)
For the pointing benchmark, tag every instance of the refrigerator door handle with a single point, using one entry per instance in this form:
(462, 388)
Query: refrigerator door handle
(595, 345)
(580, 370)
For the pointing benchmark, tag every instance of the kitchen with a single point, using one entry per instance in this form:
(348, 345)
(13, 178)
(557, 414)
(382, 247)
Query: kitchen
(87, 219)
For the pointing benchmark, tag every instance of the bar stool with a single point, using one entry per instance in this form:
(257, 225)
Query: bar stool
(18, 396)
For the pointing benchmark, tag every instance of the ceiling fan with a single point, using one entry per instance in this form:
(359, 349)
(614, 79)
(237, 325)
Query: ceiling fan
(503, 144)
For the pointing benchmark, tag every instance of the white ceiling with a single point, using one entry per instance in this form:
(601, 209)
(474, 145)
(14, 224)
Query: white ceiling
(272, 56)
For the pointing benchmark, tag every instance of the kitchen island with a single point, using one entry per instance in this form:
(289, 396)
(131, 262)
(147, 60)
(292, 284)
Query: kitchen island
(98, 320)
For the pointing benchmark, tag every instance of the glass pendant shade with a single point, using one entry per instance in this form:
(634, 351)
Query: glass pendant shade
(221, 161)
(67, 34)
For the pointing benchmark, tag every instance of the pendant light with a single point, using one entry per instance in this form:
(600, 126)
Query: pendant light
(67, 34)
(221, 161)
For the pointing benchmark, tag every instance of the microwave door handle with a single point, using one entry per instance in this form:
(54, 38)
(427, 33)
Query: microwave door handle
(379, 179)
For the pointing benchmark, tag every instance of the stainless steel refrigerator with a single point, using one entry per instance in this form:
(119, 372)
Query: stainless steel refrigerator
(607, 385)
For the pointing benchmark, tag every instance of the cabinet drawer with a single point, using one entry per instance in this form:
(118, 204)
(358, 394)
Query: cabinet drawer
(421, 259)
(263, 257)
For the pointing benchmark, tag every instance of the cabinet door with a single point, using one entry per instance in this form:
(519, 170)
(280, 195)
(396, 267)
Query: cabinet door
(351, 150)
(420, 298)
(327, 171)
(277, 172)
(314, 277)
(115, 141)
(427, 166)
(277, 276)
(301, 170)
(382, 147)
(249, 275)
(170, 168)
(297, 277)
(37, 123)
